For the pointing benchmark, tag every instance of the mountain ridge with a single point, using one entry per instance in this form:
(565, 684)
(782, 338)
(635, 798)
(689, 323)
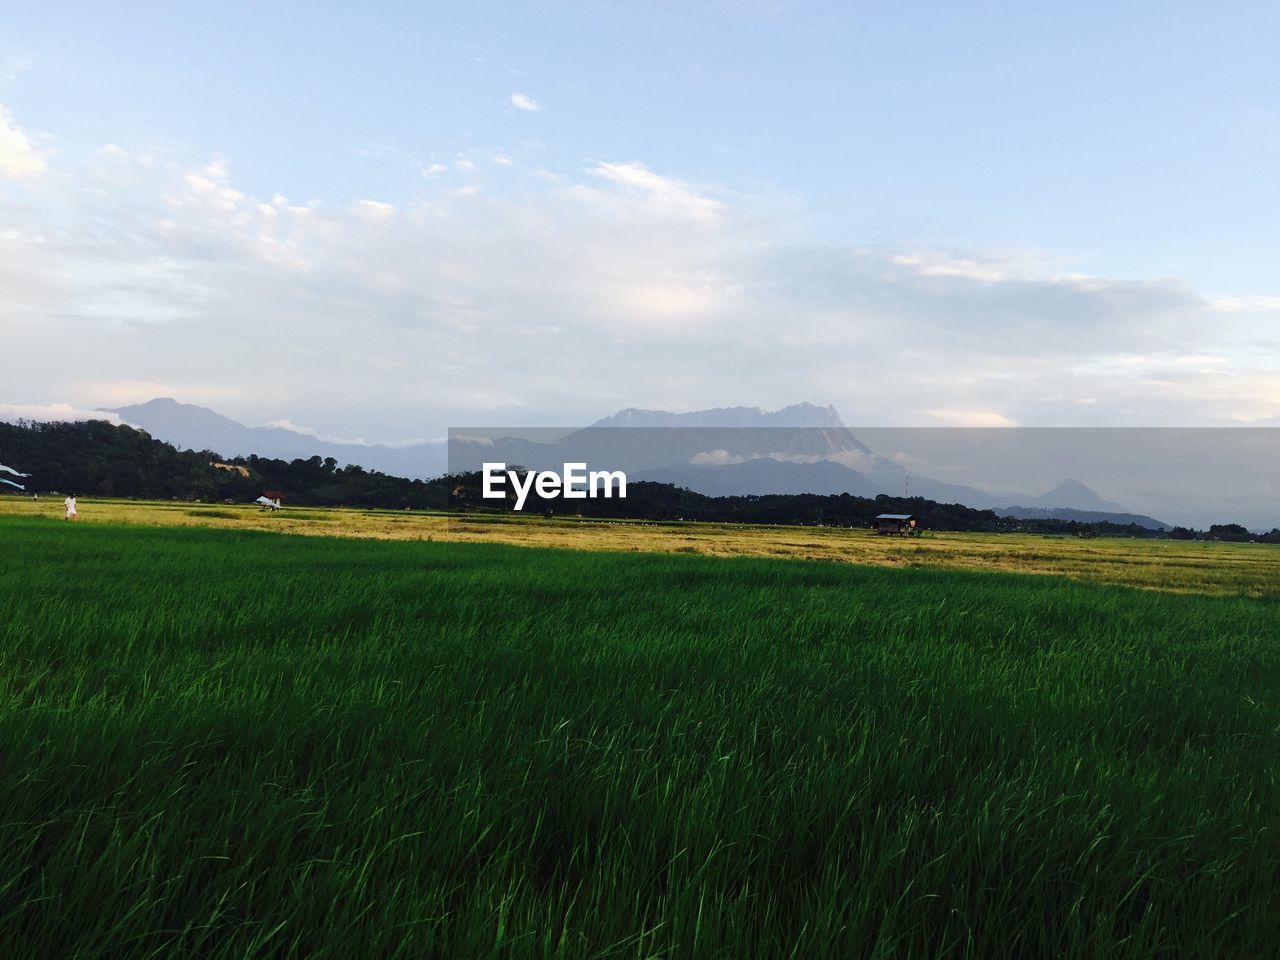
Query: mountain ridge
(189, 426)
(807, 448)
(1071, 494)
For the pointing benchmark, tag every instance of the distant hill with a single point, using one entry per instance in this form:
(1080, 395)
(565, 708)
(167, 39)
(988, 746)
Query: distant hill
(1083, 516)
(1074, 495)
(191, 427)
(894, 480)
(96, 458)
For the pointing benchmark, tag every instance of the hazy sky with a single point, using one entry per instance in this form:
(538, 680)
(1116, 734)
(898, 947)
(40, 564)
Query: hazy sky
(383, 219)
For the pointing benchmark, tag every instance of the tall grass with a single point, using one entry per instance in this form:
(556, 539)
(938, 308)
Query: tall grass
(237, 745)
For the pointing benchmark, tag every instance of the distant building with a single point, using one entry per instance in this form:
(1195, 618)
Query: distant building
(894, 523)
(275, 495)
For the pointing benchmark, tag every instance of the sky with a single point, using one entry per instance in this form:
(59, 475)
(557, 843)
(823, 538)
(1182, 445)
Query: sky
(375, 221)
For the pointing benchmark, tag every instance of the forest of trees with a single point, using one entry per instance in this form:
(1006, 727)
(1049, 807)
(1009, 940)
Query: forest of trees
(97, 458)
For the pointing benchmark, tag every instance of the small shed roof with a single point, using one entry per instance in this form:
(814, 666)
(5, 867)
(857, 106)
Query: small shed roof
(896, 516)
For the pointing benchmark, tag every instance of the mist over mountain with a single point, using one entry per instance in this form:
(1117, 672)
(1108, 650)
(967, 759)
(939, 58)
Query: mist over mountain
(796, 415)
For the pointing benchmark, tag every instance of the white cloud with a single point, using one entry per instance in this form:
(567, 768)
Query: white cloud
(52, 412)
(932, 265)
(19, 156)
(569, 295)
(211, 183)
(1254, 304)
(372, 209)
(14, 67)
(286, 424)
(525, 102)
(716, 458)
(971, 418)
(853, 459)
(665, 193)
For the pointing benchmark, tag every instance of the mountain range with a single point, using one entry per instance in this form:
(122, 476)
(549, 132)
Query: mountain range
(803, 448)
(191, 427)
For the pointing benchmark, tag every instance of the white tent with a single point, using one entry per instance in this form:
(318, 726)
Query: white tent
(268, 502)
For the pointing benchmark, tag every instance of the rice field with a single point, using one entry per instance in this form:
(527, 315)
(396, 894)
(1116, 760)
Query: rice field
(219, 742)
(1170, 566)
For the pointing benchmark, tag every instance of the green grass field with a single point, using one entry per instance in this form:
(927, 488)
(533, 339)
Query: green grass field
(231, 744)
(1171, 566)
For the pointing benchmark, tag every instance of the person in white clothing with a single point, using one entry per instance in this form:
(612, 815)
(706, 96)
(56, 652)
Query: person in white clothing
(70, 504)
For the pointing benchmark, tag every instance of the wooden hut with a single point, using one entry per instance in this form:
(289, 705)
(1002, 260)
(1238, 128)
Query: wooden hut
(899, 523)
